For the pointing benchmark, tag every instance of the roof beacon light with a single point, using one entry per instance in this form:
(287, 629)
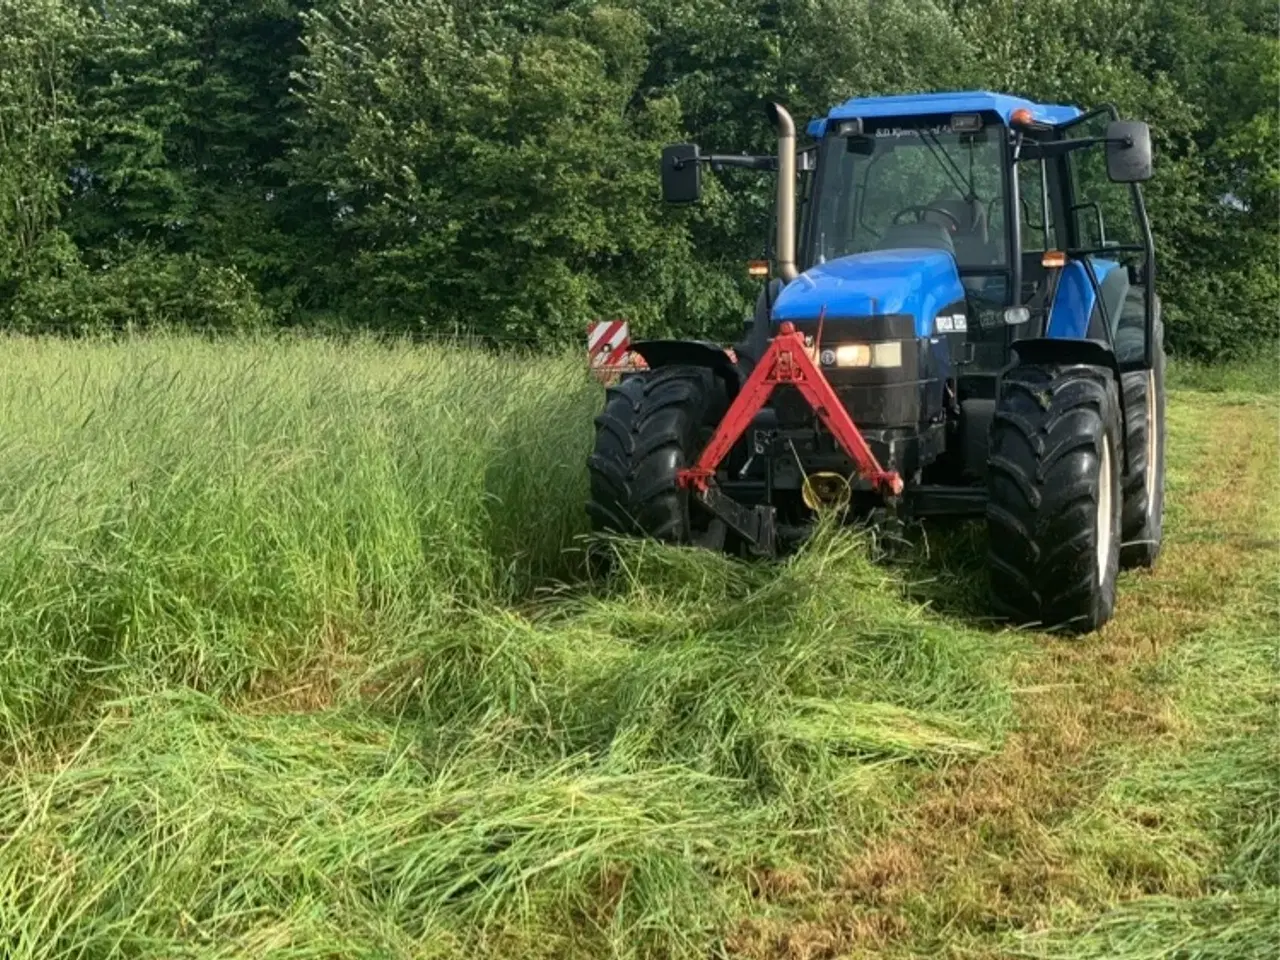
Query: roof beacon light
(1022, 117)
(966, 123)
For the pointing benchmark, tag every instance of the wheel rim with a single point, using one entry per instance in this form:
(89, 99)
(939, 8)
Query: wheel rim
(1153, 443)
(1103, 533)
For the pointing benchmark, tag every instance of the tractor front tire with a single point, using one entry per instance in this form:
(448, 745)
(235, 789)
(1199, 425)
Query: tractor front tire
(1054, 497)
(653, 426)
(1142, 522)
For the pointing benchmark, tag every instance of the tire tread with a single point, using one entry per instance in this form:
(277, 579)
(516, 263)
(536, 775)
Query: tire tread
(1141, 523)
(646, 433)
(1043, 495)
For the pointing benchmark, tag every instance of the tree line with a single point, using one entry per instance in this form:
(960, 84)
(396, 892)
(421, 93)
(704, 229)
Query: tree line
(490, 166)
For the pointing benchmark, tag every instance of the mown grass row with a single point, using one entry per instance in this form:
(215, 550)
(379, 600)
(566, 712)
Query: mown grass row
(1186, 830)
(296, 660)
(1194, 831)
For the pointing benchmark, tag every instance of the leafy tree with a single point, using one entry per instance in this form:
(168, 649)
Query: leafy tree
(140, 291)
(38, 127)
(505, 179)
(1219, 228)
(442, 164)
(186, 119)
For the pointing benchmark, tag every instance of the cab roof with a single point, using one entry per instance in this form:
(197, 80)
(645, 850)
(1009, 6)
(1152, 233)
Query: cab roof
(925, 104)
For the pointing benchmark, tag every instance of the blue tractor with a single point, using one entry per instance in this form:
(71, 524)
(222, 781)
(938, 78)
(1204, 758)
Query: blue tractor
(965, 323)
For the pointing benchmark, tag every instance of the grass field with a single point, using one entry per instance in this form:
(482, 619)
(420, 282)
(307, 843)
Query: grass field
(298, 658)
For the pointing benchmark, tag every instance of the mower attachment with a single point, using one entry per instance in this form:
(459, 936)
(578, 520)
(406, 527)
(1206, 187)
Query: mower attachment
(788, 361)
(757, 526)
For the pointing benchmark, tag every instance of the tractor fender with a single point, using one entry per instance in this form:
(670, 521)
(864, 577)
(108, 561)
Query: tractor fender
(692, 353)
(1040, 350)
(1094, 353)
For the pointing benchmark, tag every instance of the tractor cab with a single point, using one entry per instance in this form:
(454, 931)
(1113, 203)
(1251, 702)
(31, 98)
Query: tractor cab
(960, 319)
(1003, 187)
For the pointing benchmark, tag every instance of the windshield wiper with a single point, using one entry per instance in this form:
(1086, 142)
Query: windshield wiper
(949, 166)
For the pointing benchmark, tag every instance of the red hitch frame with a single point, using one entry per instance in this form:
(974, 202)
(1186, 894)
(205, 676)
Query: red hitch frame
(788, 361)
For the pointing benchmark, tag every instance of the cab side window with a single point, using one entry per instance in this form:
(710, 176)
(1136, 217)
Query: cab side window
(1105, 222)
(1037, 225)
(1102, 212)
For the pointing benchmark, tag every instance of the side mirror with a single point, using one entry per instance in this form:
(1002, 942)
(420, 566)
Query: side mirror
(1129, 151)
(681, 173)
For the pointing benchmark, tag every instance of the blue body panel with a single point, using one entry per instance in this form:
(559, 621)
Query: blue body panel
(918, 282)
(1074, 302)
(925, 104)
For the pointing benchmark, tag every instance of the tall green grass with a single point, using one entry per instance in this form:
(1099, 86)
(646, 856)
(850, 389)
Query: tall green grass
(178, 511)
(297, 659)
(1260, 374)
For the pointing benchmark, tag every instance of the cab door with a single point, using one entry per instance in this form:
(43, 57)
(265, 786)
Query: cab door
(1108, 291)
(1039, 233)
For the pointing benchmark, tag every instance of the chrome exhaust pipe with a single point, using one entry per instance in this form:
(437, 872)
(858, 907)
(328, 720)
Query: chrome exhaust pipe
(786, 244)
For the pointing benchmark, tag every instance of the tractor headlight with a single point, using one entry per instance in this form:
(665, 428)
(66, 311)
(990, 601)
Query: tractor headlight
(853, 355)
(888, 354)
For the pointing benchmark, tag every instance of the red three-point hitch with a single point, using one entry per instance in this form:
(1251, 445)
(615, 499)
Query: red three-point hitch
(788, 361)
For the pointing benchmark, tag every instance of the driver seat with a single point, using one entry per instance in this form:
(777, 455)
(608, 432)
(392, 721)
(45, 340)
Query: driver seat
(906, 236)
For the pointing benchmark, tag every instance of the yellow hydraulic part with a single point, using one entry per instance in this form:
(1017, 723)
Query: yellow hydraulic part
(826, 489)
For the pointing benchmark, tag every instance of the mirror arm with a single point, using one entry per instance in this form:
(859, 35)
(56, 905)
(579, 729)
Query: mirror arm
(718, 161)
(1049, 150)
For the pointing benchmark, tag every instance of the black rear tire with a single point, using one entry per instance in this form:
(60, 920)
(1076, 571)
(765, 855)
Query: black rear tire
(1142, 521)
(653, 426)
(1054, 497)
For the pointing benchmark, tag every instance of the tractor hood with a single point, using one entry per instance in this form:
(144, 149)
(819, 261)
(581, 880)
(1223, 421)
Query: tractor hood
(915, 282)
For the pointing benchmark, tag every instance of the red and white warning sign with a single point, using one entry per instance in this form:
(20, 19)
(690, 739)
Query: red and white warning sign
(609, 351)
(608, 342)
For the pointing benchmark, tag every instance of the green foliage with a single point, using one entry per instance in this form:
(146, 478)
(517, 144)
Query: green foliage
(142, 291)
(428, 165)
(38, 42)
(509, 176)
(1218, 240)
(185, 122)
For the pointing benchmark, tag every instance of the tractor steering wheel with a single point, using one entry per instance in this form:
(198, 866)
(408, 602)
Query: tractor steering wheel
(920, 209)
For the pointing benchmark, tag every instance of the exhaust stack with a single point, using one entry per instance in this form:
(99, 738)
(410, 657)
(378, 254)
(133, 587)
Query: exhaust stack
(786, 244)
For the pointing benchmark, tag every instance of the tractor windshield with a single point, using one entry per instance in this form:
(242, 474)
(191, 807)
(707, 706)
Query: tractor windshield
(912, 187)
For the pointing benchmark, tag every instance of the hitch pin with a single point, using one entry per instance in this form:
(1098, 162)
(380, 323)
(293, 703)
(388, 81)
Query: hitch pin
(757, 449)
